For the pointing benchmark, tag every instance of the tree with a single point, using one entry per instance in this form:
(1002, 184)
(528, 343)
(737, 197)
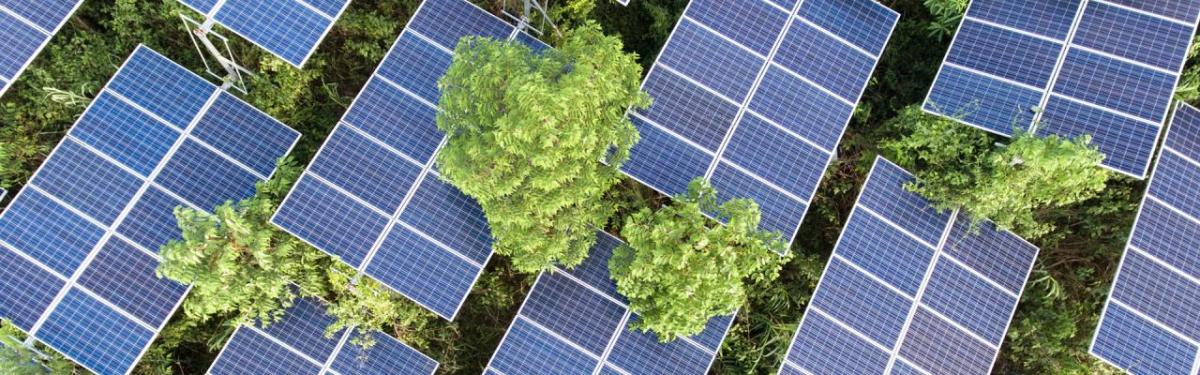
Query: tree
(240, 265)
(537, 139)
(959, 167)
(679, 269)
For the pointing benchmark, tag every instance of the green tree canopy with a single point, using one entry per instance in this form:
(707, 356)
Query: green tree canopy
(529, 135)
(960, 167)
(679, 268)
(241, 266)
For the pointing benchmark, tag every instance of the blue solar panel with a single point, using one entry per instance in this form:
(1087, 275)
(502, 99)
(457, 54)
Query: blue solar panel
(1070, 68)
(297, 345)
(575, 322)
(753, 96)
(910, 290)
(290, 29)
(81, 239)
(25, 28)
(1150, 324)
(371, 196)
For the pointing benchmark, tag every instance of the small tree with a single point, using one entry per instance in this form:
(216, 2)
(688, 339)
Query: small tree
(679, 269)
(529, 135)
(242, 266)
(959, 167)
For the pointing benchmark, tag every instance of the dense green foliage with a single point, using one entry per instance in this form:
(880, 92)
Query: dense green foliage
(959, 167)
(17, 359)
(241, 266)
(1049, 335)
(529, 135)
(679, 268)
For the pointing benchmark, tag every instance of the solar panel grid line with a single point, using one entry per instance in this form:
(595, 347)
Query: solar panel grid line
(762, 180)
(405, 89)
(26, 21)
(6, 82)
(1145, 13)
(381, 144)
(612, 343)
(1104, 109)
(842, 132)
(809, 142)
(809, 82)
(1124, 59)
(628, 314)
(847, 327)
(1062, 59)
(224, 155)
(120, 218)
(836, 37)
(981, 276)
(1166, 108)
(693, 81)
(992, 76)
(724, 37)
(957, 325)
(71, 281)
(1011, 29)
(211, 14)
(912, 313)
(1137, 224)
(394, 217)
(954, 44)
(678, 136)
(762, 72)
(874, 277)
(328, 365)
(1172, 208)
(440, 244)
(836, 258)
(901, 228)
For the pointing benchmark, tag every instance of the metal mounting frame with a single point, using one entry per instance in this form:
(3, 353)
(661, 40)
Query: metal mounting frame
(232, 74)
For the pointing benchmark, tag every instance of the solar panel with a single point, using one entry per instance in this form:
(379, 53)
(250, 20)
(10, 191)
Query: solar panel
(372, 197)
(290, 29)
(80, 240)
(575, 322)
(297, 345)
(909, 289)
(25, 28)
(753, 96)
(1150, 325)
(1071, 67)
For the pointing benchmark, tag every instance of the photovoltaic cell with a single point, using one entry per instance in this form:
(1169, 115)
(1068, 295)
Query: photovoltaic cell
(297, 345)
(753, 96)
(910, 290)
(25, 28)
(290, 29)
(575, 322)
(1070, 68)
(372, 197)
(1149, 325)
(80, 241)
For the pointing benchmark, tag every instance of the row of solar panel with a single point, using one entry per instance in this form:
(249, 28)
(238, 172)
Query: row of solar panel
(297, 345)
(909, 289)
(371, 196)
(290, 29)
(575, 322)
(80, 240)
(1150, 325)
(754, 95)
(1101, 68)
(25, 28)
